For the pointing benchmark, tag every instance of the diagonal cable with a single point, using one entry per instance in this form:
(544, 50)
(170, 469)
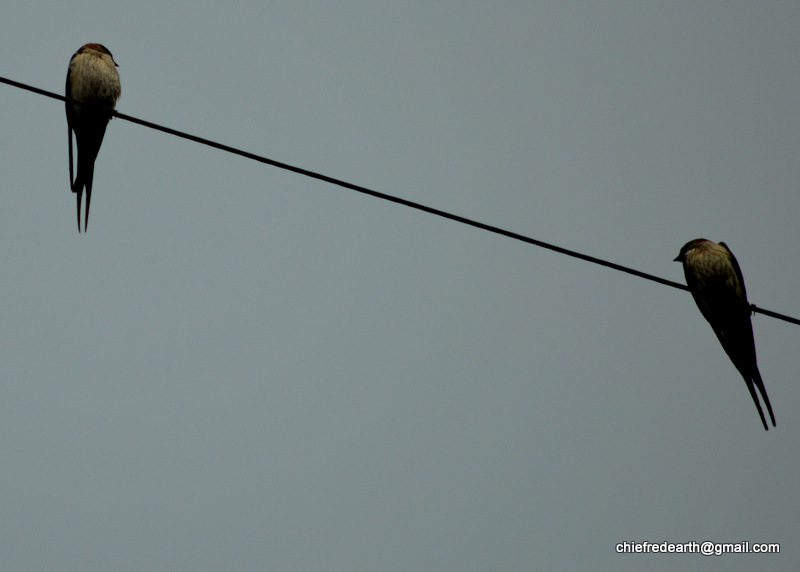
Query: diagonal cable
(391, 198)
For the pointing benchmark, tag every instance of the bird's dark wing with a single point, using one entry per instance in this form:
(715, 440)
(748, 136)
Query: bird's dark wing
(739, 277)
(739, 343)
(70, 122)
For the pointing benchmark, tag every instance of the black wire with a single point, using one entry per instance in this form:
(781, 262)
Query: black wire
(391, 198)
(398, 200)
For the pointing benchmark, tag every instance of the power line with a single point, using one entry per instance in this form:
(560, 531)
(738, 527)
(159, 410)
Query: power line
(391, 198)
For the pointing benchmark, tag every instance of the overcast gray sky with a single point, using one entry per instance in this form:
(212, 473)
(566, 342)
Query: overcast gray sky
(239, 368)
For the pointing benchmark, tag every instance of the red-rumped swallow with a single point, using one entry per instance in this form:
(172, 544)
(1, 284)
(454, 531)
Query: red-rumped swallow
(92, 77)
(715, 281)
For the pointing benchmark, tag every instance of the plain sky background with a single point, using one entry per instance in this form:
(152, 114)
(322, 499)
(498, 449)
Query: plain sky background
(239, 368)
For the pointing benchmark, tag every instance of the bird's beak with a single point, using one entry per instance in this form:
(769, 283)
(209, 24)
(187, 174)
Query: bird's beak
(678, 259)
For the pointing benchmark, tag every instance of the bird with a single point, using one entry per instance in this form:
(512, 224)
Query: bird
(717, 286)
(92, 77)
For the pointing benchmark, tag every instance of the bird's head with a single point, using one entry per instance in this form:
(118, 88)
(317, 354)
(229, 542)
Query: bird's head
(691, 245)
(98, 50)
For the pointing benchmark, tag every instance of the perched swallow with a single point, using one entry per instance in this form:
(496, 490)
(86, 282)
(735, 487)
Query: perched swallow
(92, 77)
(715, 281)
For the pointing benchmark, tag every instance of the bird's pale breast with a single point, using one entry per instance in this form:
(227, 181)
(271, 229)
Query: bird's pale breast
(94, 79)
